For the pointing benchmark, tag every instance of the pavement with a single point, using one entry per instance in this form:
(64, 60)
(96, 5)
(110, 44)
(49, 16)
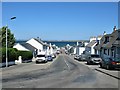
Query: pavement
(112, 73)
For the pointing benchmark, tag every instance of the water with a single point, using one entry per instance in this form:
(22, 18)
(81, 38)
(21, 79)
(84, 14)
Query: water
(61, 43)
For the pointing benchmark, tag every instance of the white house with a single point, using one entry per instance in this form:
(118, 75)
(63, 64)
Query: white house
(79, 49)
(38, 44)
(93, 42)
(90, 46)
(34, 45)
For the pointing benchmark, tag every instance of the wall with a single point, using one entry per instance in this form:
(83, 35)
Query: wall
(35, 44)
(81, 49)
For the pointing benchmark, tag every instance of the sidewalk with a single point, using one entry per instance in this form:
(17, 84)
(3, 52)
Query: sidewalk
(112, 73)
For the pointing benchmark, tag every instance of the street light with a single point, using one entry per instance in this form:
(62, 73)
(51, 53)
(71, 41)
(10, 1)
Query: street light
(6, 43)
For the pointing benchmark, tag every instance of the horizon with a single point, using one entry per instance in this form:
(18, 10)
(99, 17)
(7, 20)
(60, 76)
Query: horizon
(60, 20)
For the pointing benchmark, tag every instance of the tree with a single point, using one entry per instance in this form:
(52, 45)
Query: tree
(10, 37)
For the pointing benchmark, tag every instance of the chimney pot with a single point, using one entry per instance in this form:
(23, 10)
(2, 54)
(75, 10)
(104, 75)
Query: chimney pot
(114, 29)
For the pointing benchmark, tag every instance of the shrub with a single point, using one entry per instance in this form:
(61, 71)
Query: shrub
(26, 55)
(12, 54)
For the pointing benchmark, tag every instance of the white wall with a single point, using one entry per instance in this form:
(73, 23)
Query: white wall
(81, 49)
(86, 43)
(92, 38)
(35, 44)
(74, 50)
(20, 47)
(92, 49)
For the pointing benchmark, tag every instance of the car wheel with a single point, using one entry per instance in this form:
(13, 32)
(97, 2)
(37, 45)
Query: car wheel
(108, 67)
(88, 63)
(101, 65)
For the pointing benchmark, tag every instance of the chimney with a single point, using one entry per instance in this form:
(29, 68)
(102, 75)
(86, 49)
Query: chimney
(104, 33)
(114, 29)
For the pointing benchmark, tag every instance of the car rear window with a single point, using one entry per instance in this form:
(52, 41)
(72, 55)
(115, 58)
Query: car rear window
(94, 55)
(40, 55)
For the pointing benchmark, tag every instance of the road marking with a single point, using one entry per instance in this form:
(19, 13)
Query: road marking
(66, 63)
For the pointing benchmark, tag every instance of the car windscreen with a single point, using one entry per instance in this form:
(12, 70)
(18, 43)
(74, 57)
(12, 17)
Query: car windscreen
(40, 55)
(95, 56)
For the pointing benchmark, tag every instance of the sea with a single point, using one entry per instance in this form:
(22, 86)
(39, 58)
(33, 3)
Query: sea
(61, 43)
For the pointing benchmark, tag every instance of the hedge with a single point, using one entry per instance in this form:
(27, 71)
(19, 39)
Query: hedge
(26, 55)
(13, 54)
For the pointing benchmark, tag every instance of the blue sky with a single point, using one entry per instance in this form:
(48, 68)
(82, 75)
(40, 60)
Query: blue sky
(60, 20)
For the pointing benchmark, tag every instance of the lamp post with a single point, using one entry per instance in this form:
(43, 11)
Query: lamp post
(7, 43)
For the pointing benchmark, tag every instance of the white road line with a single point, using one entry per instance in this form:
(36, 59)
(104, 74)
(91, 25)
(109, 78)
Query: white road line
(66, 63)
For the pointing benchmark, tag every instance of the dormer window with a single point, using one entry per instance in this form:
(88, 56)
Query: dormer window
(106, 39)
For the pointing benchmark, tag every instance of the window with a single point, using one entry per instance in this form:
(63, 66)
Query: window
(108, 51)
(106, 39)
(105, 51)
(112, 52)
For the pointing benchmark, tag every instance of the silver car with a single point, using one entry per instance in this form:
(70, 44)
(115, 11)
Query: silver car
(94, 59)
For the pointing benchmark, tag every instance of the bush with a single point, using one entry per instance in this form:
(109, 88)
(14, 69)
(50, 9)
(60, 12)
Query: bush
(26, 55)
(12, 54)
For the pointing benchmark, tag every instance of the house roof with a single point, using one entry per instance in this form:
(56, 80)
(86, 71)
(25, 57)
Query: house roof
(28, 46)
(41, 42)
(113, 40)
(98, 46)
(38, 41)
(90, 44)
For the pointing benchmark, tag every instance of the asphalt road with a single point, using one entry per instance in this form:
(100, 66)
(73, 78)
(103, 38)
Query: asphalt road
(64, 72)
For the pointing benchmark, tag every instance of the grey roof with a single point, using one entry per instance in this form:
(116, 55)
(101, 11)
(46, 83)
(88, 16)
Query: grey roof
(91, 43)
(28, 46)
(112, 40)
(38, 41)
(102, 40)
(41, 42)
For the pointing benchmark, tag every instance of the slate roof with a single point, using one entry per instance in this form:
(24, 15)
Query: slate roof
(113, 40)
(41, 42)
(28, 46)
(98, 47)
(91, 43)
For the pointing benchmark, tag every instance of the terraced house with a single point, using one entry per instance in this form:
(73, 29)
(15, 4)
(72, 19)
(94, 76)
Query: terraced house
(109, 44)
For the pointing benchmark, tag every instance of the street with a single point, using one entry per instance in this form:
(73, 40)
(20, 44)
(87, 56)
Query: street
(63, 72)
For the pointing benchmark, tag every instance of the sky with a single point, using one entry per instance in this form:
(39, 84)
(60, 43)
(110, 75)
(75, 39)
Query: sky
(59, 20)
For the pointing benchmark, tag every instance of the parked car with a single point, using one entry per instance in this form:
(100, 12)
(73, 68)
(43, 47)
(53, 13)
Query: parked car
(110, 63)
(77, 57)
(49, 58)
(41, 58)
(93, 59)
(83, 57)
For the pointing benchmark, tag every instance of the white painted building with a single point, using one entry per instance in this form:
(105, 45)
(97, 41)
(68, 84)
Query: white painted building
(81, 49)
(36, 43)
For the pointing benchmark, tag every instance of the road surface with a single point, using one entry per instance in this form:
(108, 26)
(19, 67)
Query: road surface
(64, 72)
